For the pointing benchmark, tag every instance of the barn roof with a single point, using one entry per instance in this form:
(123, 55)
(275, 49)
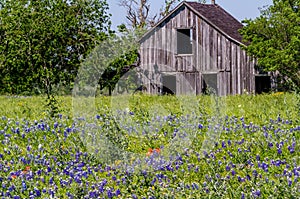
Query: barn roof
(213, 14)
(220, 18)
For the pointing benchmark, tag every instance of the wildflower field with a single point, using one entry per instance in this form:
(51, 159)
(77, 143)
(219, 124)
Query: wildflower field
(252, 149)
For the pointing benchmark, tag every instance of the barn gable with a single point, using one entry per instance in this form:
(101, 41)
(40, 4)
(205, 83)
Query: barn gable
(195, 47)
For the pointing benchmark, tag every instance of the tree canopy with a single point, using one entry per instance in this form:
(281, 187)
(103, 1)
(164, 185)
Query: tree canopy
(274, 38)
(43, 42)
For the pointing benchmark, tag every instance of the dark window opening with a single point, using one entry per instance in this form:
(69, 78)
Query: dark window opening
(184, 41)
(169, 84)
(210, 83)
(262, 84)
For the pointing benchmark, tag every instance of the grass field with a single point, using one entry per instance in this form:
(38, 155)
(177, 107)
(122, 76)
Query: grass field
(151, 147)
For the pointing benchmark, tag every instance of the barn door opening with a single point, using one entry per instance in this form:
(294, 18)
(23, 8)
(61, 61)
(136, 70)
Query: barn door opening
(210, 83)
(169, 84)
(262, 84)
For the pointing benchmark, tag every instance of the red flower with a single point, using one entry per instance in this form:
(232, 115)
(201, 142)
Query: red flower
(27, 168)
(150, 151)
(14, 176)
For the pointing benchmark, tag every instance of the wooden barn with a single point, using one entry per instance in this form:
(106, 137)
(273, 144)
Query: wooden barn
(196, 47)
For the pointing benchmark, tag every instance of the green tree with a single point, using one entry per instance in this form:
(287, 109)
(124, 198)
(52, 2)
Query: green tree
(274, 38)
(43, 42)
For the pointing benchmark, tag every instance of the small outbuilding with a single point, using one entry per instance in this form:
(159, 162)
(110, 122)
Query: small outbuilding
(197, 49)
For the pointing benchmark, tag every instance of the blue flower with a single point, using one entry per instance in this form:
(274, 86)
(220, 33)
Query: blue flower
(109, 194)
(243, 196)
(258, 193)
(227, 168)
(200, 126)
(118, 192)
(134, 196)
(24, 185)
(233, 172)
(223, 144)
(37, 192)
(290, 182)
(279, 151)
(257, 157)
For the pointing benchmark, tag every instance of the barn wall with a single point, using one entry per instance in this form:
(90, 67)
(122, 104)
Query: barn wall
(212, 52)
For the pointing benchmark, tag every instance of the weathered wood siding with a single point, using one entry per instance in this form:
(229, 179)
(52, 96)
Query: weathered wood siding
(213, 52)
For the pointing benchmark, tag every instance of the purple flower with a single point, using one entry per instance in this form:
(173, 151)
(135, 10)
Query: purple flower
(37, 192)
(239, 179)
(233, 172)
(291, 149)
(257, 193)
(51, 180)
(118, 192)
(243, 196)
(227, 168)
(195, 186)
(109, 194)
(229, 142)
(257, 157)
(254, 173)
(279, 151)
(248, 177)
(223, 144)
(289, 182)
(24, 185)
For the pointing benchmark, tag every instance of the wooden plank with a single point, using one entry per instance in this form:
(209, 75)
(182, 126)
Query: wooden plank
(192, 64)
(158, 47)
(242, 70)
(229, 88)
(227, 55)
(197, 83)
(206, 47)
(163, 48)
(189, 18)
(233, 70)
(167, 44)
(202, 44)
(247, 74)
(178, 83)
(197, 43)
(223, 43)
(214, 47)
(238, 65)
(211, 49)
(219, 51)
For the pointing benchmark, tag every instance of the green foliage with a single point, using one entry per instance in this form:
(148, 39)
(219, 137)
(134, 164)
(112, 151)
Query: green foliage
(43, 42)
(274, 39)
(117, 69)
